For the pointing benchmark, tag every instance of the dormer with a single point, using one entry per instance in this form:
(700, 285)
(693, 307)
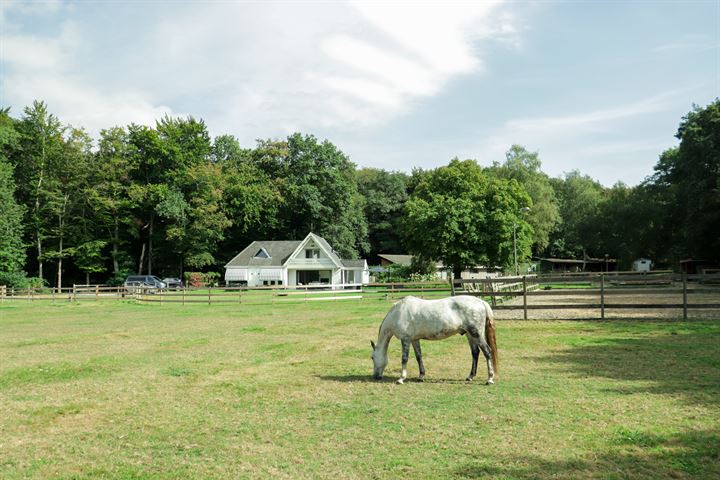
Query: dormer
(262, 253)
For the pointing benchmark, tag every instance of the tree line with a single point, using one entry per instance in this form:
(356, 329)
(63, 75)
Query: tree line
(169, 198)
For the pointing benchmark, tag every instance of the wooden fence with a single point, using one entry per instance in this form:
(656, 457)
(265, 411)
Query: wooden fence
(603, 287)
(677, 291)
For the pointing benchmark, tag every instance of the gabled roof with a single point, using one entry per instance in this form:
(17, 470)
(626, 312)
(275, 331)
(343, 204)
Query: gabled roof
(279, 251)
(400, 259)
(322, 243)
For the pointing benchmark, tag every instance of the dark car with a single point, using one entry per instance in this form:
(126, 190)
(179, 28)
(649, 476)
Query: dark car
(174, 283)
(135, 283)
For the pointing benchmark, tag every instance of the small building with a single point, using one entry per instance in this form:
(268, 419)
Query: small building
(572, 265)
(701, 267)
(642, 265)
(442, 272)
(311, 261)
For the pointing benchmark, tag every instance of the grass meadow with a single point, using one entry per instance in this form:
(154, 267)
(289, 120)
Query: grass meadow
(130, 391)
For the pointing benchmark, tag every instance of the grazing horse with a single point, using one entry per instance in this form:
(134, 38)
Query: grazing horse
(413, 319)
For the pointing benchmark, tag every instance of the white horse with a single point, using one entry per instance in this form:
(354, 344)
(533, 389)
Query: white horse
(413, 319)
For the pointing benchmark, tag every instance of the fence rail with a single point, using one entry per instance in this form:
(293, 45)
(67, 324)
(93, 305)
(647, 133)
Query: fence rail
(600, 289)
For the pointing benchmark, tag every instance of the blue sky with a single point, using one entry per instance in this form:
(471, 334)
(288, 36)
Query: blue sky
(594, 86)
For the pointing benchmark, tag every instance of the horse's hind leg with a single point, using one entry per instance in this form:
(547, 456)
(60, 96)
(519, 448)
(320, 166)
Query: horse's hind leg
(405, 352)
(475, 350)
(418, 357)
(488, 356)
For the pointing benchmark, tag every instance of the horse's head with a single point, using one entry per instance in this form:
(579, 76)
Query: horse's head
(380, 361)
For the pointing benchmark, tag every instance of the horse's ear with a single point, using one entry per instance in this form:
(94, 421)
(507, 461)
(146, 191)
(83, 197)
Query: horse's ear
(372, 344)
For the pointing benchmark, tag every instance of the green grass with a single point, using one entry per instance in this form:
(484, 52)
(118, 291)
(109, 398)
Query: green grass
(128, 391)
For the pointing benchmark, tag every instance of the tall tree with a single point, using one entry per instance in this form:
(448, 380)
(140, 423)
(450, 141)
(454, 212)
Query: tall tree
(319, 191)
(40, 149)
(579, 199)
(12, 250)
(462, 216)
(385, 195)
(525, 167)
(107, 195)
(690, 175)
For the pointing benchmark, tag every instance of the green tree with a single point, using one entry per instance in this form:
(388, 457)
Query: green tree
(319, 191)
(462, 216)
(39, 152)
(690, 176)
(12, 250)
(579, 198)
(525, 167)
(107, 195)
(385, 195)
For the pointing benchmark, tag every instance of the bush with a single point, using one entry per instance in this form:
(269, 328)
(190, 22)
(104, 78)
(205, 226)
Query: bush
(19, 280)
(202, 279)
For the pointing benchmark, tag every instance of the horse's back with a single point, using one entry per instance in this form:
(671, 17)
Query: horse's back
(438, 319)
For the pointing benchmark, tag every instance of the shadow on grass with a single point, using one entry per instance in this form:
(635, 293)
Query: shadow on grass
(690, 454)
(685, 364)
(392, 379)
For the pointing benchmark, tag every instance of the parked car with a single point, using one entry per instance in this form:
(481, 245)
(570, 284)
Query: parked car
(174, 283)
(133, 283)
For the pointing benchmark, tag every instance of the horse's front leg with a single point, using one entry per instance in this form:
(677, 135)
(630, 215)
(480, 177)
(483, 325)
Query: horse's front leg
(475, 350)
(418, 357)
(405, 352)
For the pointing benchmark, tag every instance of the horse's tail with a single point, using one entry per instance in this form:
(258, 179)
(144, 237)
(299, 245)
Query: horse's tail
(490, 336)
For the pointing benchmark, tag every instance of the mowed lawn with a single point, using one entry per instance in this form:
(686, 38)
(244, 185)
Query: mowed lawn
(120, 390)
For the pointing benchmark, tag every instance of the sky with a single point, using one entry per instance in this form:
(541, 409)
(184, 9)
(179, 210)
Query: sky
(594, 86)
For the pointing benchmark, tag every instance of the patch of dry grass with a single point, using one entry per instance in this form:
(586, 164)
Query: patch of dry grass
(119, 390)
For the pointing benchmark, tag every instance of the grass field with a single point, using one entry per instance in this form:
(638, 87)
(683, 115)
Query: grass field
(121, 390)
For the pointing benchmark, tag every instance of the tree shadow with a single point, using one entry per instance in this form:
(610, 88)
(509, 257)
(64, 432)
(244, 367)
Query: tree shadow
(632, 455)
(675, 363)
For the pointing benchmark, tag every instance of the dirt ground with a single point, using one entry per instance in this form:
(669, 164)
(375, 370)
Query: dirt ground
(695, 296)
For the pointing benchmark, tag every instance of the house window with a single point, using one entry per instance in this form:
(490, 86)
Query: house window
(312, 253)
(262, 253)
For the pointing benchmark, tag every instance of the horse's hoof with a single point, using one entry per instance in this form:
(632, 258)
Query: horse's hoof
(400, 381)
(490, 382)
(469, 379)
(421, 379)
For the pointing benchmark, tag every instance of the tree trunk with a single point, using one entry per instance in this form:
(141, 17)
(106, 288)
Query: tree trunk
(150, 245)
(39, 254)
(457, 272)
(87, 278)
(115, 241)
(60, 262)
(61, 234)
(142, 259)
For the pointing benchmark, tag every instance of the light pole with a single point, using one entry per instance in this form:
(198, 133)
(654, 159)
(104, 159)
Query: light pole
(522, 210)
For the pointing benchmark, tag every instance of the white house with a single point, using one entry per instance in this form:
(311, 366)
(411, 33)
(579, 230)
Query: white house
(310, 261)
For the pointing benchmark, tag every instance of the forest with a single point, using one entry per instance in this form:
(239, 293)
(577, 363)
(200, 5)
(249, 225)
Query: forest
(169, 199)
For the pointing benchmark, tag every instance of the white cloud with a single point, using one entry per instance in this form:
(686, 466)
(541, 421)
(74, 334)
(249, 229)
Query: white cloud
(253, 69)
(599, 142)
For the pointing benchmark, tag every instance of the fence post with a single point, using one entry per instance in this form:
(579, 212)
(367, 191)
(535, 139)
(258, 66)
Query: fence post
(452, 285)
(602, 296)
(97, 292)
(239, 295)
(3, 289)
(209, 294)
(524, 297)
(685, 302)
(183, 296)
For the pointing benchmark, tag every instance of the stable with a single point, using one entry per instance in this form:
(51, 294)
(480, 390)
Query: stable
(308, 262)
